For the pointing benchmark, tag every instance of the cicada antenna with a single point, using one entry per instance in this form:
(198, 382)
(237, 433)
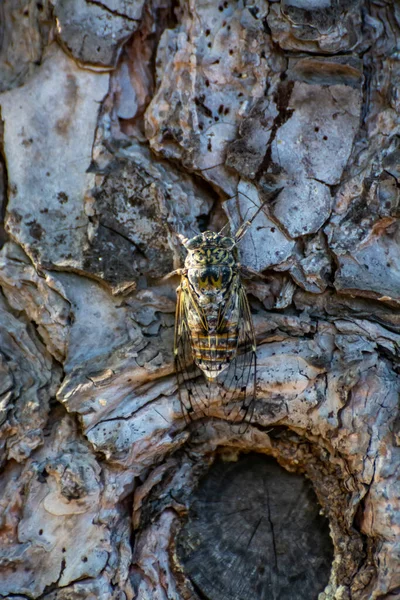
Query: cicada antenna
(193, 229)
(241, 232)
(247, 211)
(226, 226)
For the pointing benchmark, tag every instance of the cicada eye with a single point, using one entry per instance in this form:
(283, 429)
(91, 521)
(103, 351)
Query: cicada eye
(195, 242)
(227, 242)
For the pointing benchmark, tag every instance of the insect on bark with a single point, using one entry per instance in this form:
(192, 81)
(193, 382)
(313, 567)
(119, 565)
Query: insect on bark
(215, 345)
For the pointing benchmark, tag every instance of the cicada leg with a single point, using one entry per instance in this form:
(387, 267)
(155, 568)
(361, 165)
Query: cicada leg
(179, 272)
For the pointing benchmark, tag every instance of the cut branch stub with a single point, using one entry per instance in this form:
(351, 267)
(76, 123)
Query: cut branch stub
(255, 531)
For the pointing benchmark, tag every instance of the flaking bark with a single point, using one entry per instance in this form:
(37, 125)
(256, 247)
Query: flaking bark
(124, 124)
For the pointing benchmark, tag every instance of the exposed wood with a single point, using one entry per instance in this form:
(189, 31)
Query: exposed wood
(254, 531)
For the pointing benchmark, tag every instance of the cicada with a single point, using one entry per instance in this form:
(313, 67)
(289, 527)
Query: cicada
(215, 345)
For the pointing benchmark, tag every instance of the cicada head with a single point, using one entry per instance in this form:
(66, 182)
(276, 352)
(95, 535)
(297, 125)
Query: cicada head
(210, 248)
(210, 239)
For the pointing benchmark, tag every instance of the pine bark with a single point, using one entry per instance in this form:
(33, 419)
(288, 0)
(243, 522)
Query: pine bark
(124, 124)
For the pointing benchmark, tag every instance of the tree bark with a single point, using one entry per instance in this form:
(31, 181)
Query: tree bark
(123, 125)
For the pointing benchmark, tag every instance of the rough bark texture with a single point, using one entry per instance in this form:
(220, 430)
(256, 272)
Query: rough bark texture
(123, 124)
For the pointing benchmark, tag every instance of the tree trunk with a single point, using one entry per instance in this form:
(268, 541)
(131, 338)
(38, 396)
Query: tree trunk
(125, 124)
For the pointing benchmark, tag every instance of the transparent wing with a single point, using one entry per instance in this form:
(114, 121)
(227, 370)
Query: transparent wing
(237, 384)
(235, 387)
(193, 388)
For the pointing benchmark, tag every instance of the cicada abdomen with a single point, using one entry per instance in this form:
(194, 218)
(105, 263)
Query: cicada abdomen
(215, 348)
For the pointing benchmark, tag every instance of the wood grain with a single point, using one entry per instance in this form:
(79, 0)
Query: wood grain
(255, 531)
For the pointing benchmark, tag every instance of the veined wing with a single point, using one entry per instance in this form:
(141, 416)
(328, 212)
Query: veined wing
(231, 348)
(193, 388)
(237, 384)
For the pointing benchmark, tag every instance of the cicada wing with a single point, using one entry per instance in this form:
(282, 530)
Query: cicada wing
(237, 382)
(193, 388)
(233, 349)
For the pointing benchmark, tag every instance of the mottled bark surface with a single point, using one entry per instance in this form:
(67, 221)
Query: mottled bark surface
(124, 124)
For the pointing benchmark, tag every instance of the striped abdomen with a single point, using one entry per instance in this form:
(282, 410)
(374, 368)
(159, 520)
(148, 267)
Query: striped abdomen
(214, 325)
(213, 353)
